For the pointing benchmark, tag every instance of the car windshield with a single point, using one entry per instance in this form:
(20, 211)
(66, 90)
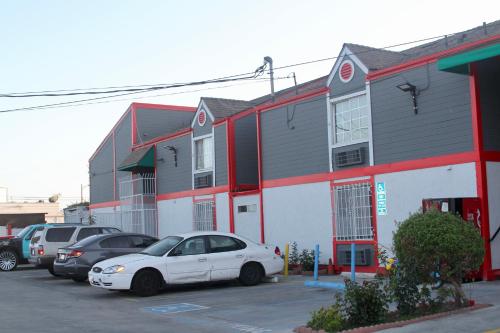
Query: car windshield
(161, 247)
(24, 232)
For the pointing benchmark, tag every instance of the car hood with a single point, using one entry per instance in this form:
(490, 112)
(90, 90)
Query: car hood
(125, 260)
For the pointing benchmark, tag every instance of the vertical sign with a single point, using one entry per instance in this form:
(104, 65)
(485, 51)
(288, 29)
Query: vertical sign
(381, 199)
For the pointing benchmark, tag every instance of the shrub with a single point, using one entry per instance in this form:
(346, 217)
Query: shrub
(329, 319)
(306, 259)
(364, 304)
(442, 242)
(293, 258)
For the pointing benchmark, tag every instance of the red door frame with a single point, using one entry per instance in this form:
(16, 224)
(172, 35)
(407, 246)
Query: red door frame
(374, 242)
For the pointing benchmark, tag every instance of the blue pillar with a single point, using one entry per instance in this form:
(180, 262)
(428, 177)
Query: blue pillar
(316, 260)
(353, 262)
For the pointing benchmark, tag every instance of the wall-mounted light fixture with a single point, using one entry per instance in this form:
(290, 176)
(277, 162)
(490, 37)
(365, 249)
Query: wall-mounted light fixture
(173, 150)
(408, 87)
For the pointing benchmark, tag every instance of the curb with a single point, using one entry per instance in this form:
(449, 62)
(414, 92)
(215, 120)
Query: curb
(379, 327)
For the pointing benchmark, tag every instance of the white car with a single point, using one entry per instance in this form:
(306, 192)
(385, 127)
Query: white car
(188, 258)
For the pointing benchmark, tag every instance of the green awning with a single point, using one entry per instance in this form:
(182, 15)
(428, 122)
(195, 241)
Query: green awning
(139, 159)
(458, 63)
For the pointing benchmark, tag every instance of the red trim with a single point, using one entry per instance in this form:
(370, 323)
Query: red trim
(109, 134)
(192, 193)
(156, 191)
(481, 174)
(259, 169)
(493, 156)
(219, 122)
(241, 194)
(246, 187)
(134, 127)
(163, 138)
(105, 204)
(136, 106)
(423, 163)
(428, 59)
(114, 167)
(359, 269)
(314, 93)
(351, 182)
(231, 170)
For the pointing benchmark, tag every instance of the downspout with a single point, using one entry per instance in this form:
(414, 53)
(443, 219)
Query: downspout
(259, 161)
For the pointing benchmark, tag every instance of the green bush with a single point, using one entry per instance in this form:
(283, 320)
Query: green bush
(306, 259)
(364, 304)
(293, 258)
(442, 242)
(329, 319)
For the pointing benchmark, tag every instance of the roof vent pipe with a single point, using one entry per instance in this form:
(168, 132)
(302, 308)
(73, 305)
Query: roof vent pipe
(269, 60)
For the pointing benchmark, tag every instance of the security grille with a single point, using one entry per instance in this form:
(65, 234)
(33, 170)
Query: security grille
(202, 181)
(353, 212)
(350, 157)
(138, 204)
(204, 215)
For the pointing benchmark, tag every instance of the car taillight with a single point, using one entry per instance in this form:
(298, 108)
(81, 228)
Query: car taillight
(277, 251)
(75, 254)
(40, 251)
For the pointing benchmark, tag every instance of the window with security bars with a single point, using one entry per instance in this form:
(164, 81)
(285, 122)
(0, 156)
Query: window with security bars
(204, 215)
(353, 212)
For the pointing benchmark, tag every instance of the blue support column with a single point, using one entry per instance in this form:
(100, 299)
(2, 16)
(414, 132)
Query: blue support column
(353, 262)
(316, 260)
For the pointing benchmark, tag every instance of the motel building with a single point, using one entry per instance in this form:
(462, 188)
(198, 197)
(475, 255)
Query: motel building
(337, 160)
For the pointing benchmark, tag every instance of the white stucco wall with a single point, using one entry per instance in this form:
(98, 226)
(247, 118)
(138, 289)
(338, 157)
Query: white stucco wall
(405, 191)
(175, 216)
(493, 177)
(247, 224)
(222, 211)
(301, 213)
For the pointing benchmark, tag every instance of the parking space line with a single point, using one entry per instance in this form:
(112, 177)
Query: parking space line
(174, 308)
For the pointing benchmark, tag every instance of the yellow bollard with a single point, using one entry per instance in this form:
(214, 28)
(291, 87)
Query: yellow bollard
(286, 259)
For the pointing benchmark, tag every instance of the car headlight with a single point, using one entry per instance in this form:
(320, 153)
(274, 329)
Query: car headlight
(114, 269)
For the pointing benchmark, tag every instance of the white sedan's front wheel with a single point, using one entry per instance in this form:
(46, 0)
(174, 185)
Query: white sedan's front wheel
(8, 260)
(146, 283)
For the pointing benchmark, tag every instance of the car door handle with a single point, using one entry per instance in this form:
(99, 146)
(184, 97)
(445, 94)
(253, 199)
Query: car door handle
(239, 256)
(202, 259)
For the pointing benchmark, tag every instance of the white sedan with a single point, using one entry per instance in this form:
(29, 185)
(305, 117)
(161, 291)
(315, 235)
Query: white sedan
(188, 258)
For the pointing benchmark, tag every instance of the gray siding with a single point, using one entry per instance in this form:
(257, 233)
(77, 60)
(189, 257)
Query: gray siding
(245, 140)
(339, 88)
(220, 143)
(101, 174)
(442, 125)
(152, 123)
(169, 177)
(295, 139)
(489, 95)
(123, 143)
(206, 129)
(366, 155)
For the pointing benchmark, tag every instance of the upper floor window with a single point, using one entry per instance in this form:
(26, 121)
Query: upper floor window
(203, 154)
(350, 120)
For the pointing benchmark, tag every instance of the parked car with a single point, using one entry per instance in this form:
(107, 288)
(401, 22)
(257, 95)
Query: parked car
(16, 250)
(75, 261)
(46, 242)
(188, 258)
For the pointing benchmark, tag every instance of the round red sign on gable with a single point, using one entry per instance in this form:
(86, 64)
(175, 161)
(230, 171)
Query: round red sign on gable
(346, 71)
(202, 118)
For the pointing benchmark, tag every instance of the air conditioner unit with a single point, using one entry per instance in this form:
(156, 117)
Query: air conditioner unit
(350, 157)
(203, 181)
(363, 257)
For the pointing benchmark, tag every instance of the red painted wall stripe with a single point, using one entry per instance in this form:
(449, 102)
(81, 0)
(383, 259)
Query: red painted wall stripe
(136, 106)
(192, 193)
(105, 204)
(163, 138)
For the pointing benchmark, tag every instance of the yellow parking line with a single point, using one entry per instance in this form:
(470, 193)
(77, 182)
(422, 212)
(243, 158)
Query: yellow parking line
(497, 330)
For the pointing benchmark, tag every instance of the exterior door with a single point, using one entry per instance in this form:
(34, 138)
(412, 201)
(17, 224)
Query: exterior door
(247, 217)
(226, 257)
(188, 262)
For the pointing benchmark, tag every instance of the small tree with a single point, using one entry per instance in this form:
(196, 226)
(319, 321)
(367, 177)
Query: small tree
(439, 242)
(294, 258)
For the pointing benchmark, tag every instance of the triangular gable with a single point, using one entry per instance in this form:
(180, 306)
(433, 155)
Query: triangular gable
(202, 106)
(342, 56)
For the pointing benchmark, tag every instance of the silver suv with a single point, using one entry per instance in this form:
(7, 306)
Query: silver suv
(45, 242)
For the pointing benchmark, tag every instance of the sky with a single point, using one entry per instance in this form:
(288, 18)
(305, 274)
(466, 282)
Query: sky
(52, 45)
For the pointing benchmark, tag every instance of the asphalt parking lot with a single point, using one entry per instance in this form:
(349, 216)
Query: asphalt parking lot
(34, 301)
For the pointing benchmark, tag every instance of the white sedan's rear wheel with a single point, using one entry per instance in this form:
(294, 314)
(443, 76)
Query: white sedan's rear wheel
(251, 274)
(8, 260)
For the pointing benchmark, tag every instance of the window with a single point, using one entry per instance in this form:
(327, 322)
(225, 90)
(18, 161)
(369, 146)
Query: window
(203, 154)
(247, 208)
(191, 246)
(110, 230)
(350, 120)
(142, 242)
(118, 242)
(204, 218)
(59, 234)
(223, 244)
(86, 232)
(160, 248)
(353, 212)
